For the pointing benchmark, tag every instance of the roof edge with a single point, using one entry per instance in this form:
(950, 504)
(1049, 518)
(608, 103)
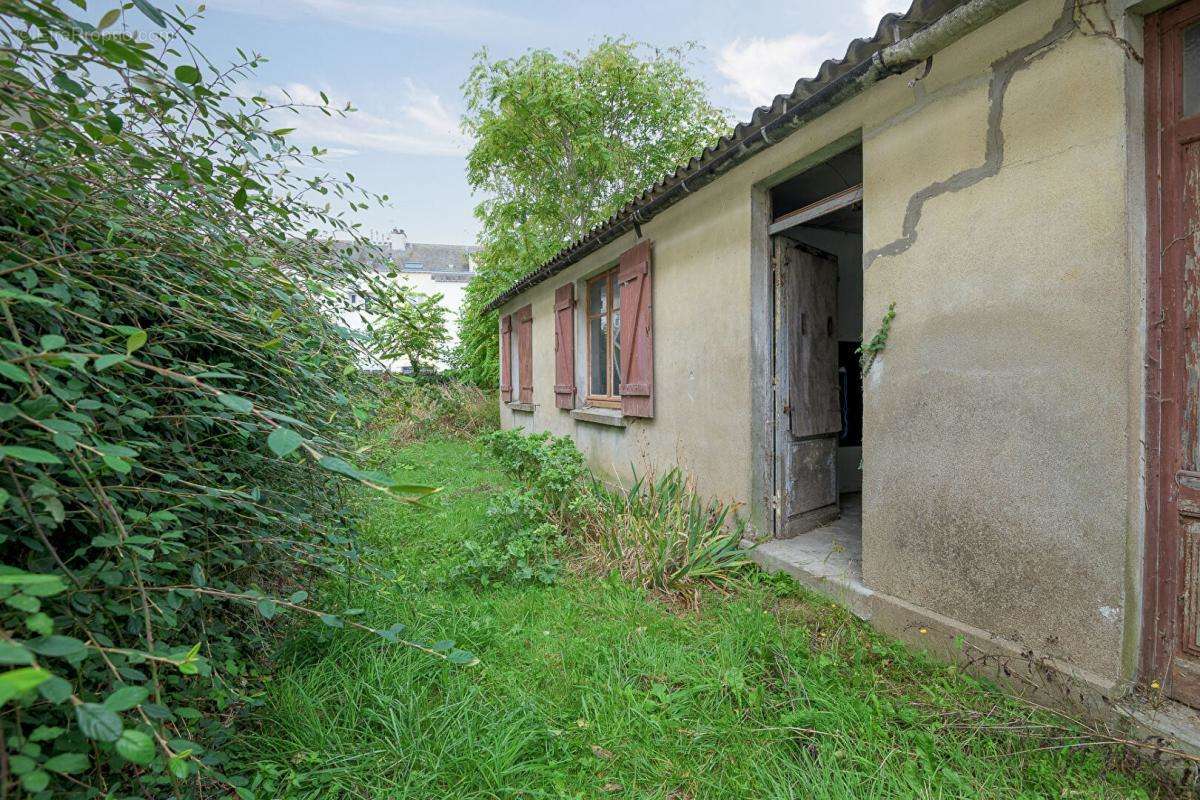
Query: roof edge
(866, 62)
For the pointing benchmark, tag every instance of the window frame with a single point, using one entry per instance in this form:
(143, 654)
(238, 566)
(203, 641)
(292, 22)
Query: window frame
(613, 399)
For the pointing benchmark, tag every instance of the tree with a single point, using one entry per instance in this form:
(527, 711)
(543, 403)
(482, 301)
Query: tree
(561, 143)
(415, 328)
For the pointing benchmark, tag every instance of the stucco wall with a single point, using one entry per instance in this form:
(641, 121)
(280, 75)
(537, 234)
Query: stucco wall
(701, 373)
(998, 423)
(1001, 423)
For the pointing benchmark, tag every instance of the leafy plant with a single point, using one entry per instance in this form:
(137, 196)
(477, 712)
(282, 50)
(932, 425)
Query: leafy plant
(551, 465)
(414, 327)
(660, 535)
(519, 545)
(561, 143)
(871, 350)
(176, 422)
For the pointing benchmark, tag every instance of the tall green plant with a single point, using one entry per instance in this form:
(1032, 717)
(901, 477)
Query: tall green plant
(414, 328)
(561, 143)
(174, 399)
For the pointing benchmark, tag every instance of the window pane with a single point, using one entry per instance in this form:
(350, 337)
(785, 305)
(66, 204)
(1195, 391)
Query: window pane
(616, 334)
(616, 291)
(598, 353)
(597, 301)
(1191, 71)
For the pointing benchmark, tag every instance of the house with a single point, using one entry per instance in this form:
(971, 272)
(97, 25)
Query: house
(430, 269)
(1014, 481)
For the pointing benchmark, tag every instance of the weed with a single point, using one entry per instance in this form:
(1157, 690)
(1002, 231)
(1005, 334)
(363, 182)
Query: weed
(552, 466)
(871, 350)
(518, 545)
(660, 535)
(421, 410)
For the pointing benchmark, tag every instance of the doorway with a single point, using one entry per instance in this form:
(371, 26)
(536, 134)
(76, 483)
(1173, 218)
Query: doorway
(1171, 629)
(816, 246)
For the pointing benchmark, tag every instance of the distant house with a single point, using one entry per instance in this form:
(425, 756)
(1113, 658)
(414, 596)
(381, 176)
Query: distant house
(1015, 483)
(430, 269)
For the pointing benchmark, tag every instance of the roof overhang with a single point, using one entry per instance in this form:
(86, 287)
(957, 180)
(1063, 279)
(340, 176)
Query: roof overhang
(901, 41)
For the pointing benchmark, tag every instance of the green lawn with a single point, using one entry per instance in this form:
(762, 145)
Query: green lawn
(589, 689)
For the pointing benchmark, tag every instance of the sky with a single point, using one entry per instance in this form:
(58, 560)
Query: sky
(401, 63)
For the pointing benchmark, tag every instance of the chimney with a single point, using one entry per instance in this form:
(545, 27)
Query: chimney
(398, 240)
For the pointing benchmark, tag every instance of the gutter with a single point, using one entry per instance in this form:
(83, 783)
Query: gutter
(893, 59)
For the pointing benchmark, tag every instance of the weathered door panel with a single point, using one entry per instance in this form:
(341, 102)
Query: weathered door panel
(808, 412)
(1171, 645)
(813, 480)
(1184, 674)
(810, 298)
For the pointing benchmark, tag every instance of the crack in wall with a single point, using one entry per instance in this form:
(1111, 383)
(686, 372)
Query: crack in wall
(1003, 70)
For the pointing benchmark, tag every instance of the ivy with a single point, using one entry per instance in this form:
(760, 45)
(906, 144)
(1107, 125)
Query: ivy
(868, 352)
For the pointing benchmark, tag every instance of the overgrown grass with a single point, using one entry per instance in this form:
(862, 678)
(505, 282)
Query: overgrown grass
(415, 411)
(590, 688)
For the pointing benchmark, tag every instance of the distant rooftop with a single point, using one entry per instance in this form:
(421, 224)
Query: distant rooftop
(419, 257)
(450, 262)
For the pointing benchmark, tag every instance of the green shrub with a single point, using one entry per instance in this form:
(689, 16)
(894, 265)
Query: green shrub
(659, 534)
(175, 402)
(550, 465)
(519, 544)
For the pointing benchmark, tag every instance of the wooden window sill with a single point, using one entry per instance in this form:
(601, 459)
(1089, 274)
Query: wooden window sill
(600, 416)
(526, 408)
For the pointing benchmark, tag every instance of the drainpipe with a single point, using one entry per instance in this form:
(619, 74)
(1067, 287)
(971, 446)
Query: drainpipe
(952, 26)
(893, 59)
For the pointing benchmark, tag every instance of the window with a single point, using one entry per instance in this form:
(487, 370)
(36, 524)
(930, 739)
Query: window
(604, 340)
(414, 266)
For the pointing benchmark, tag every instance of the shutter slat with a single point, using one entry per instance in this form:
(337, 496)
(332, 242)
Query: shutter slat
(506, 358)
(564, 346)
(637, 332)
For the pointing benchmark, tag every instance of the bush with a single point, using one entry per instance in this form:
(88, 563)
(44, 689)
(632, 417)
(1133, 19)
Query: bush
(551, 465)
(520, 545)
(176, 415)
(658, 534)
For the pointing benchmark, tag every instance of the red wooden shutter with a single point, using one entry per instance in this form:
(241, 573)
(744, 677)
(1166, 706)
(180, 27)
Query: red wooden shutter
(525, 353)
(506, 358)
(637, 332)
(564, 346)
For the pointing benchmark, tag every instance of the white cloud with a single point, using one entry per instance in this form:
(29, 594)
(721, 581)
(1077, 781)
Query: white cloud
(759, 68)
(874, 10)
(420, 124)
(382, 15)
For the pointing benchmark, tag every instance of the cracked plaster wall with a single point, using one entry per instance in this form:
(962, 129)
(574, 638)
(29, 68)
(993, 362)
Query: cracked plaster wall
(998, 436)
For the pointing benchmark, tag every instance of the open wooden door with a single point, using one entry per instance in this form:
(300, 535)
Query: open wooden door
(808, 411)
(1171, 636)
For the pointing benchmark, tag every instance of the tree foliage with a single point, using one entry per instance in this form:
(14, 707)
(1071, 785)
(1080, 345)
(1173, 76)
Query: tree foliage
(561, 143)
(415, 327)
(176, 400)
